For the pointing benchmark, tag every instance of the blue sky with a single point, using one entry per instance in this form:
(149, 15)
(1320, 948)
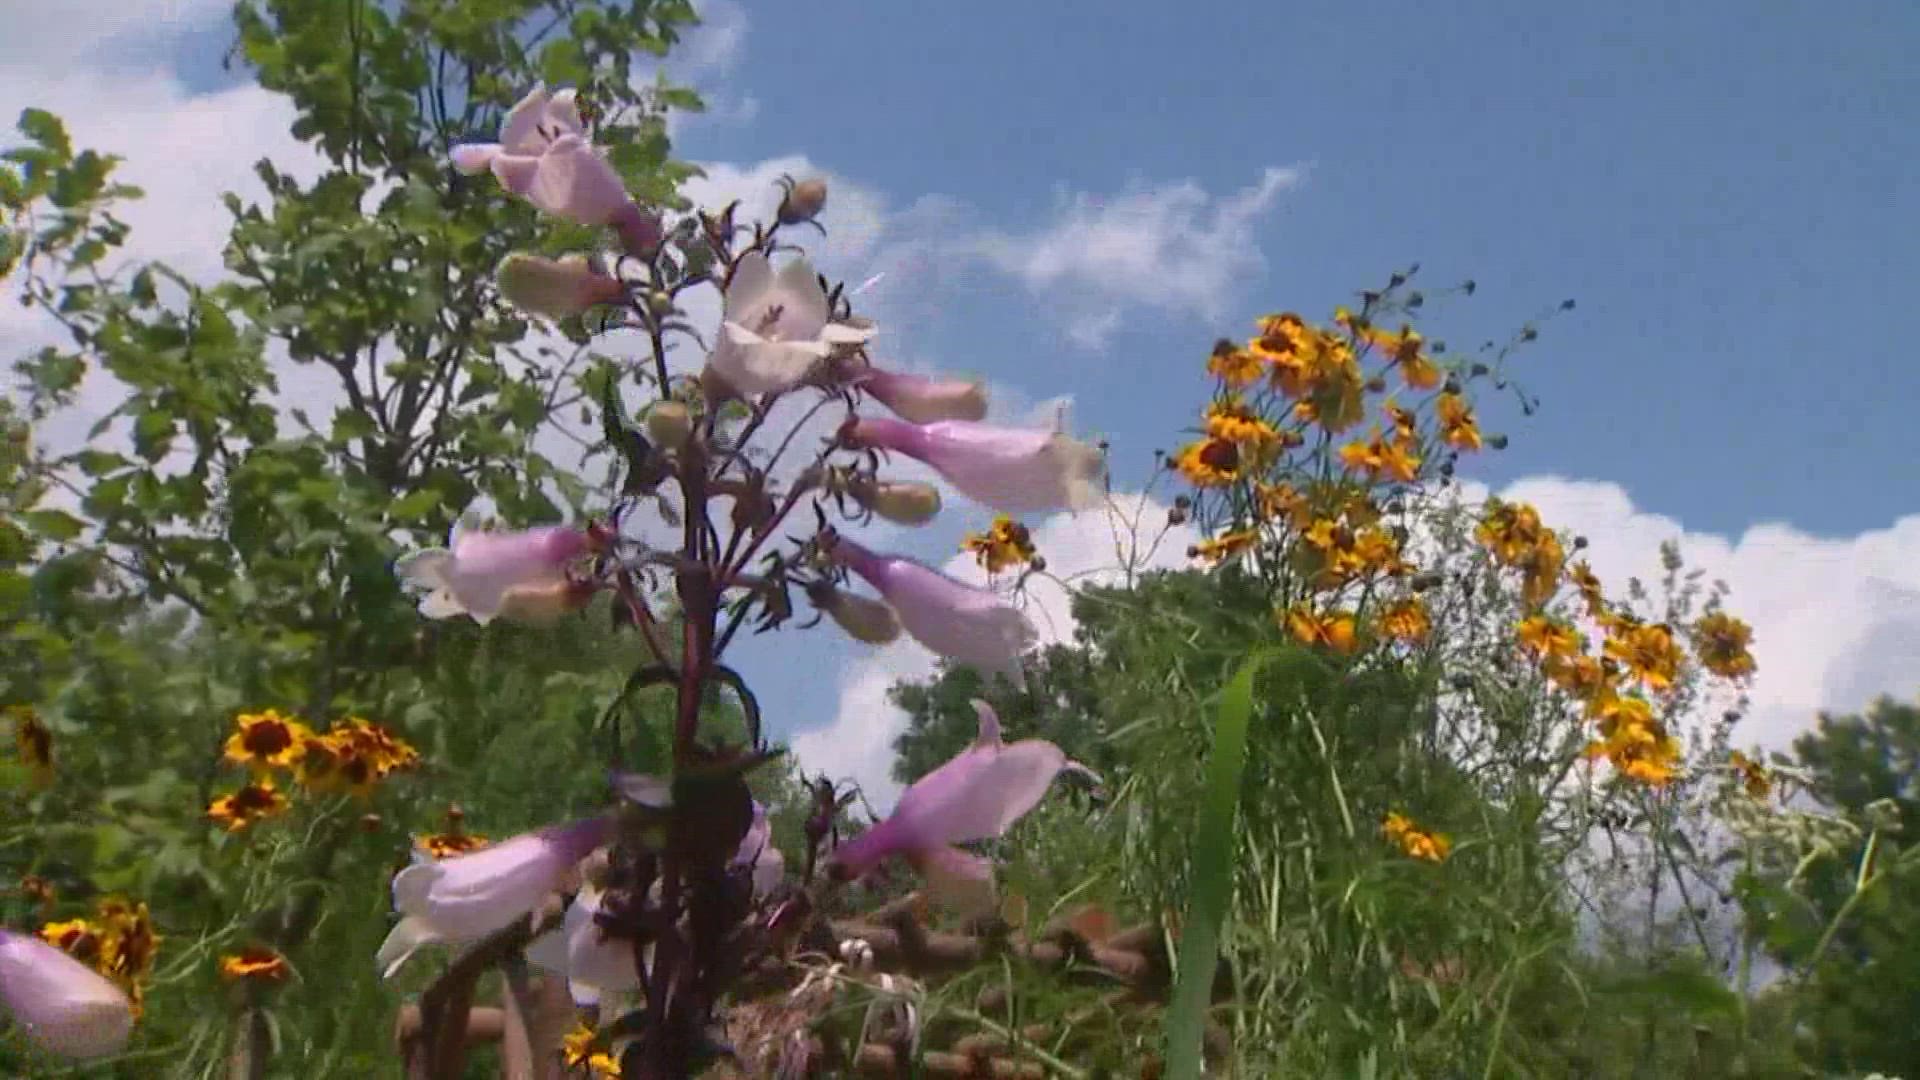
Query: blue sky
(1730, 191)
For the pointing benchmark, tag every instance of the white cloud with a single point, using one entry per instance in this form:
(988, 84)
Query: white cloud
(1174, 248)
(33, 37)
(1081, 550)
(1836, 619)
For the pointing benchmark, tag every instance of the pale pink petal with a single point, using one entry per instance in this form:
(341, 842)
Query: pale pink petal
(803, 304)
(752, 277)
(876, 845)
(1011, 470)
(576, 184)
(487, 565)
(563, 114)
(596, 964)
(469, 896)
(757, 851)
(521, 133)
(473, 158)
(922, 400)
(516, 172)
(971, 626)
(61, 1005)
(989, 720)
(843, 334)
(753, 364)
(981, 792)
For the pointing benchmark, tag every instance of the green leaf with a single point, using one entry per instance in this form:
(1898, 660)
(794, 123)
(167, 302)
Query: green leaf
(414, 507)
(54, 524)
(99, 462)
(46, 129)
(153, 434)
(1695, 992)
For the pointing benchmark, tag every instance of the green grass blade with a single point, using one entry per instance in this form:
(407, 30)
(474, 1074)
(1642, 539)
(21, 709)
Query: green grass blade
(1212, 876)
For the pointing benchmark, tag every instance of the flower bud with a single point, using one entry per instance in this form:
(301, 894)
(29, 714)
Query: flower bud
(1498, 442)
(545, 604)
(901, 502)
(669, 423)
(863, 618)
(640, 232)
(555, 288)
(660, 302)
(922, 400)
(803, 202)
(715, 387)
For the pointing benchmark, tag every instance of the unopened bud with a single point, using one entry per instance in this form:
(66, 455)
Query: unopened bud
(1579, 542)
(1038, 563)
(669, 423)
(660, 302)
(901, 502)
(863, 618)
(1478, 370)
(555, 288)
(803, 202)
(1177, 516)
(1376, 385)
(544, 605)
(1451, 386)
(715, 387)
(1498, 442)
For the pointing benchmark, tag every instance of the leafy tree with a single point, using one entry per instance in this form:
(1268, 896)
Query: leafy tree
(1851, 925)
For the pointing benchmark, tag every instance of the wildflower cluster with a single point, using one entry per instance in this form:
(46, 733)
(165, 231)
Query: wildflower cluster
(353, 756)
(117, 941)
(1006, 544)
(1628, 687)
(1415, 842)
(1289, 489)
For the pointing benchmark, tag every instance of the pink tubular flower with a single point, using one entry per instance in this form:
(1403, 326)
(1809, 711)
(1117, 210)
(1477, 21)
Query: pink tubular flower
(62, 1006)
(757, 851)
(478, 571)
(556, 288)
(543, 156)
(774, 327)
(975, 796)
(1010, 470)
(957, 621)
(466, 897)
(594, 964)
(921, 400)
